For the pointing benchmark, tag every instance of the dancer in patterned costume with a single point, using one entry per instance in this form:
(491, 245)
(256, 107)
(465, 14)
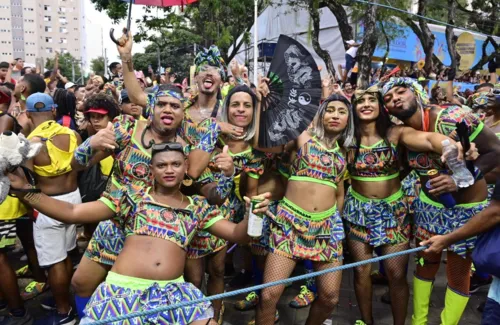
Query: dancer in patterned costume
(159, 222)
(307, 225)
(493, 122)
(131, 142)
(406, 99)
(239, 109)
(375, 208)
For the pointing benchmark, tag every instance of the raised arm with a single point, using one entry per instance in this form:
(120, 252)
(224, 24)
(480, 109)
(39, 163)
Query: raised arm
(421, 141)
(135, 93)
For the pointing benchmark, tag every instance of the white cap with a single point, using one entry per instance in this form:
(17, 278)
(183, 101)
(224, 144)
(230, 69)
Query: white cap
(445, 143)
(68, 85)
(351, 42)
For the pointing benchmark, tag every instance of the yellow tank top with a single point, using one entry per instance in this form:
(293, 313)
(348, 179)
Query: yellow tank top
(106, 165)
(12, 208)
(60, 160)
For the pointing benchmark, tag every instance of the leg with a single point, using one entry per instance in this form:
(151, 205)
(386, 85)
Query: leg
(59, 280)
(362, 279)
(8, 283)
(277, 268)
(216, 263)
(88, 276)
(328, 293)
(194, 271)
(398, 286)
(25, 234)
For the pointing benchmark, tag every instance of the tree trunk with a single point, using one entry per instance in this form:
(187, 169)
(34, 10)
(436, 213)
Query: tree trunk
(486, 58)
(451, 40)
(427, 38)
(365, 52)
(314, 13)
(388, 47)
(342, 19)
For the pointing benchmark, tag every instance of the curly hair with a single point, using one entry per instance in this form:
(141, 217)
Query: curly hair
(101, 100)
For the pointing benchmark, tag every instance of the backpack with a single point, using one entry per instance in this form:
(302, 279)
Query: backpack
(92, 183)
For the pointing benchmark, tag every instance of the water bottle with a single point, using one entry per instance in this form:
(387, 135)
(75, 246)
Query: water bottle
(255, 221)
(461, 174)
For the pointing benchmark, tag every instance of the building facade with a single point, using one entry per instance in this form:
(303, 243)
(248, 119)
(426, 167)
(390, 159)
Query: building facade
(36, 29)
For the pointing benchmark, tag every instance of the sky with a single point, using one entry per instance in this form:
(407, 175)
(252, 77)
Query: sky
(99, 21)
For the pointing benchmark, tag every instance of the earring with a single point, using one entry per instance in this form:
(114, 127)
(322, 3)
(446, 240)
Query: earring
(187, 181)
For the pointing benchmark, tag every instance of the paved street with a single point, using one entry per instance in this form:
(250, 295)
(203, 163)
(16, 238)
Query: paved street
(345, 314)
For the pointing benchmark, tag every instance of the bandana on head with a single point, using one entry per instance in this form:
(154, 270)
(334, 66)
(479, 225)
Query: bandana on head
(413, 85)
(212, 58)
(152, 100)
(478, 100)
(361, 92)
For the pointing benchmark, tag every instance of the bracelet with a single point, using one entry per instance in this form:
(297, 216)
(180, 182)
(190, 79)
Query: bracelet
(224, 185)
(83, 154)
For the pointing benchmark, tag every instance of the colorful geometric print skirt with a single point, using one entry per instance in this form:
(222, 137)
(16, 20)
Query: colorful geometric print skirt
(106, 243)
(122, 295)
(432, 218)
(259, 245)
(299, 234)
(204, 244)
(376, 222)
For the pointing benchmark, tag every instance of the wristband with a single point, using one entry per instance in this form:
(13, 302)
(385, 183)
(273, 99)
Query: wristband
(83, 154)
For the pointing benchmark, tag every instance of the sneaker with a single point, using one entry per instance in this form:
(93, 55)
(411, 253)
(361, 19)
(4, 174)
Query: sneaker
(23, 272)
(11, 320)
(276, 318)
(303, 299)
(34, 289)
(477, 282)
(250, 302)
(48, 304)
(242, 279)
(360, 322)
(378, 278)
(59, 319)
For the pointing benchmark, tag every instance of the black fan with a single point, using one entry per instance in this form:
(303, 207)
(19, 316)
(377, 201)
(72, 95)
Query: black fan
(295, 94)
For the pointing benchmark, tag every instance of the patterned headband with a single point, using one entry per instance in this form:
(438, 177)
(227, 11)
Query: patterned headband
(211, 57)
(478, 100)
(361, 92)
(414, 86)
(152, 99)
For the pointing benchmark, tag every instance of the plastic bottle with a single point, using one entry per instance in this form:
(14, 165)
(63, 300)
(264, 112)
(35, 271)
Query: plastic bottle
(255, 221)
(461, 174)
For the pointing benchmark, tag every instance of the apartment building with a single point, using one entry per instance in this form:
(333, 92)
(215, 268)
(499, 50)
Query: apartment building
(33, 29)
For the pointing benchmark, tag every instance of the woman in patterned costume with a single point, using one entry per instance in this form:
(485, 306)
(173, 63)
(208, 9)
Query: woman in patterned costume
(307, 225)
(375, 207)
(159, 222)
(129, 141)
(239, 109)
(406, 99)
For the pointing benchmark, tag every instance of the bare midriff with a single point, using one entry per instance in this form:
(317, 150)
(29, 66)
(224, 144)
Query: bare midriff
(312, 197)
(377, 190)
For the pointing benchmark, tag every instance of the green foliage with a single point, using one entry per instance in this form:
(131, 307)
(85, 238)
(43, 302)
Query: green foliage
(65, 65)
(97, 65)
(115, 9)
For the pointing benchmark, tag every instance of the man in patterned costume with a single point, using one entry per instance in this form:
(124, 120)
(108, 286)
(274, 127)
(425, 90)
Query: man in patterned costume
(405, 99)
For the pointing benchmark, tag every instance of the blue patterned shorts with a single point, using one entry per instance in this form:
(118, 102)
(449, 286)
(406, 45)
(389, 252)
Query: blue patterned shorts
(106, 243)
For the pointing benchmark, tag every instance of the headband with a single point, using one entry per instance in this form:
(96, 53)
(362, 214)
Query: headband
(361, 92)
(152, 99)
(211, 57)
(478, 100)
(413, 85)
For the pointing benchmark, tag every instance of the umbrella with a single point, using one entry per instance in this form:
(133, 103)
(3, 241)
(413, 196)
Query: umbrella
(157, 3)
(294, 97)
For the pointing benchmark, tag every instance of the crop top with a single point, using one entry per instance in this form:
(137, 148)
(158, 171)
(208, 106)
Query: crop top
(60, 160)
(374, 163)
(317, 164)
(137, 213)
(446, 125)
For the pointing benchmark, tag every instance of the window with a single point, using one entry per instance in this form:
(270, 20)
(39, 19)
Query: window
(47, 18)
(63, 30)
(63, 40)
(62, 9)
(48, 29)
(63, 20)
(64, 50)
(48, 39)
(46, 8)
(48, 50)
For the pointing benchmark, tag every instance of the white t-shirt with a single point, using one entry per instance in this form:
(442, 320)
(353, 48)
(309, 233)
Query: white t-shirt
(352, 51)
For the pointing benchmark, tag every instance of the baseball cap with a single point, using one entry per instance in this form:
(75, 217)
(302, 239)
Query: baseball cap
(351, 42)
(124, 96)
(69, 85)
(39, 102)
(98, 110)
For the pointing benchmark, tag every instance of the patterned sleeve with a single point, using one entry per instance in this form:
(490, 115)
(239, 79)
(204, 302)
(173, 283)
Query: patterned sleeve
(448, 118)
(123, 126)
(207, 214)
(255, 165)
(202, 136)
(206, 177)
(116, 200)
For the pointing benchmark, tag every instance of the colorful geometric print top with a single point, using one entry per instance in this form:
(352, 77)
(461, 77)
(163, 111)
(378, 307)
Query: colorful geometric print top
(137, 213)
(315, 163)
(445, 124)
(377, 162)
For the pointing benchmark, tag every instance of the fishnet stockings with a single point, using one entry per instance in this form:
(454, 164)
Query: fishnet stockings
(457, 270)
(362, 280)
(277, 268)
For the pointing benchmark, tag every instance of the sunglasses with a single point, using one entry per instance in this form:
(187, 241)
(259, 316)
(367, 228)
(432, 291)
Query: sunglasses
(167, 146)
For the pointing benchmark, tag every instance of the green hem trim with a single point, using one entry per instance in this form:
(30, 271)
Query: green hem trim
(253, 175)
(134, 283)
(375, 179)
(310, 215)
(312, 180)
(108, 203)
(213, 221)
(476, 132)
(392, 198)
(424, 198)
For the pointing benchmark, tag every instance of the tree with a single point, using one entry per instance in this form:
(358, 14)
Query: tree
(66, 64)
(451, 40)
(97, 65)
(483, 16)
(365, 52)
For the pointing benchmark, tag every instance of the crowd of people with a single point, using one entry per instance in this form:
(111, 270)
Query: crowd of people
(167, 175)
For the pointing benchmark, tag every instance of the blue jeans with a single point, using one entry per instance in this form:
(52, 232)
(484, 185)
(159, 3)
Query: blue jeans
(349, 62)
(491, 313)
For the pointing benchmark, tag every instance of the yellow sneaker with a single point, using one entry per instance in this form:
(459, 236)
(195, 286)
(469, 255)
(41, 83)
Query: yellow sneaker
(250, 302)
(34, 289)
